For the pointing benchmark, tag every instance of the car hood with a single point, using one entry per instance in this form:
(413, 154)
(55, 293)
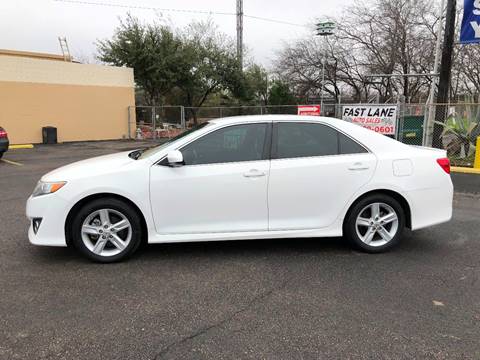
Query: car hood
(91, 167)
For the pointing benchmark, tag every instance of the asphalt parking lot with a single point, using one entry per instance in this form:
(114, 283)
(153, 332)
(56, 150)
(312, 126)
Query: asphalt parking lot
(268, 299)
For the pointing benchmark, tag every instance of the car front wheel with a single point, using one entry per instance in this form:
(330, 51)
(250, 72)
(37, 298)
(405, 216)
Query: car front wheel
(375, 223)
(107, 230)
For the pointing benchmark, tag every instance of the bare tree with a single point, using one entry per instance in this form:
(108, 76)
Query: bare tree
(376, 37)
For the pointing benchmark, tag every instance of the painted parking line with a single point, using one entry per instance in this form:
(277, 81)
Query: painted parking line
(11, 162)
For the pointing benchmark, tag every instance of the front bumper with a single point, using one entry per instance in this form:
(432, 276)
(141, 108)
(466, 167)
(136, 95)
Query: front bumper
(53, 211)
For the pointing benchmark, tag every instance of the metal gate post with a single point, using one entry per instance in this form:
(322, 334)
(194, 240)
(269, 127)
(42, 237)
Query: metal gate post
(182, 117)
(399, 117)
(154, 122)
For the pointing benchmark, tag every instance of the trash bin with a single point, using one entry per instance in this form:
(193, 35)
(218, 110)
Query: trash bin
(49, 135)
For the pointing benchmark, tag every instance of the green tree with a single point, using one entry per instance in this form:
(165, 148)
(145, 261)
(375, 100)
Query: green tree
(280, 94)
(256, 85)
(209, 66)
(153, 51)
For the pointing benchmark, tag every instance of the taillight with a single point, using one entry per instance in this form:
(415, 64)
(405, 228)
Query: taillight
(444, 164)
(3, 134)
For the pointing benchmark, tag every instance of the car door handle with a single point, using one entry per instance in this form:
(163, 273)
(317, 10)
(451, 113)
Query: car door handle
(254, 173)
(358, 166)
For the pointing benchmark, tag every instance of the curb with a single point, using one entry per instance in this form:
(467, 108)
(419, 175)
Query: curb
(465, 170)
(20, 146)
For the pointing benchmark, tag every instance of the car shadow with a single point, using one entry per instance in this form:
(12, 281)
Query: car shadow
(250, 247)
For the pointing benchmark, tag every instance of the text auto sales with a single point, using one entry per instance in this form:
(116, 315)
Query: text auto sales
(381, 119)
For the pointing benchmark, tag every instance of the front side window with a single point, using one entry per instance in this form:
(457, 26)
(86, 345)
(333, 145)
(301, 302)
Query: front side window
(308, 139)
(230, 144)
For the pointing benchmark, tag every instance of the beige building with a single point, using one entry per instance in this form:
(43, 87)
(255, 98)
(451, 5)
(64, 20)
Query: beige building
(83, 101)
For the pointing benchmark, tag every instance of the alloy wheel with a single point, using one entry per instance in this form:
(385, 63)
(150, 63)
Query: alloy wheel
(377, 224)
(106, 232)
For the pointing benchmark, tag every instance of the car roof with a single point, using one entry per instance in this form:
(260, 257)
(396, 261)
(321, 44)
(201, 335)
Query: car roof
(256, 118)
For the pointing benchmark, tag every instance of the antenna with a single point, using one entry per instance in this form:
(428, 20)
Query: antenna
(65, 48)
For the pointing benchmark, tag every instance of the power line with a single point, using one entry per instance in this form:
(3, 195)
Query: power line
(275, 21)
(205, 12)
(141, 7)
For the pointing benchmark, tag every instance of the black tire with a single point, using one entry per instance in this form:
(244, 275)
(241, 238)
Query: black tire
(361, 208)
(1, 154)
(117, 207)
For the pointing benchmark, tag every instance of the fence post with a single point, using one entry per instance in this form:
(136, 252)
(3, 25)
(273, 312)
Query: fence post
(154, 123)
(399, 117)
(182, 117)
(476, 163)
(128, 119)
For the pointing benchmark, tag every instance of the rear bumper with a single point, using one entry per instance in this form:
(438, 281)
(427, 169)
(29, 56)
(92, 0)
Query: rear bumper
(431, 206)
(4, 144)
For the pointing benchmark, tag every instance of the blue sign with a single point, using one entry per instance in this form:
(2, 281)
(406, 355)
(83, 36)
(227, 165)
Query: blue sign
(470, 31)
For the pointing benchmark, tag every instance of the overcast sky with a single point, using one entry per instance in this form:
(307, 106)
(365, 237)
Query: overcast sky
(34, 25)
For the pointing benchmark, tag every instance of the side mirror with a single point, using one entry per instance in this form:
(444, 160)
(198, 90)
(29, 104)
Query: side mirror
(175, 158)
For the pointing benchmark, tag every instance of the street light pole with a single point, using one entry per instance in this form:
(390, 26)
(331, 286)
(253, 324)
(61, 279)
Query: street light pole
(324, 29)
(323, 83)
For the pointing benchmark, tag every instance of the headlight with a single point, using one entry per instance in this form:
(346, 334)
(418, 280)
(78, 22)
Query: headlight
(44, 188)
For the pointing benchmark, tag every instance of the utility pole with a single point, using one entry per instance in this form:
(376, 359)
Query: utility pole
(445, 72)
(240, 33)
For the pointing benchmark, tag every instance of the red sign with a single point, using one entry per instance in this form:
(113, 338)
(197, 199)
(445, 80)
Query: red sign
(309, 110)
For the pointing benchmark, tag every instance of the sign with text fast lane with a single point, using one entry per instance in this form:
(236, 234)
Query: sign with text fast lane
(470, 30)
(309, 110)
(379, 118)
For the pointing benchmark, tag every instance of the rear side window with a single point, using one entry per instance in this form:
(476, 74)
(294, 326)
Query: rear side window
(308, 139)
(304, 139)
(349, 146)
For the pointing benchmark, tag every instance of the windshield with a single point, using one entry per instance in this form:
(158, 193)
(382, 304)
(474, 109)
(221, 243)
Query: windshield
(138, 154)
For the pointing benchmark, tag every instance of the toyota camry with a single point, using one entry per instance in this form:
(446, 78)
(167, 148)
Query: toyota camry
(251, 177)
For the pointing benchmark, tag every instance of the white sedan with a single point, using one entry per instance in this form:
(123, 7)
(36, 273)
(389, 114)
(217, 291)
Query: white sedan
(253, 177)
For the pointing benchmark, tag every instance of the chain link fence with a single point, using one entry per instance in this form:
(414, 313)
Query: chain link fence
(154, 122)
(453, 127)
(203, 114)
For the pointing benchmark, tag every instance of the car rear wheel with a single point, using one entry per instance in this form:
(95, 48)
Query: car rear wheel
(107, 230)
(1, 154)
(375, 223)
